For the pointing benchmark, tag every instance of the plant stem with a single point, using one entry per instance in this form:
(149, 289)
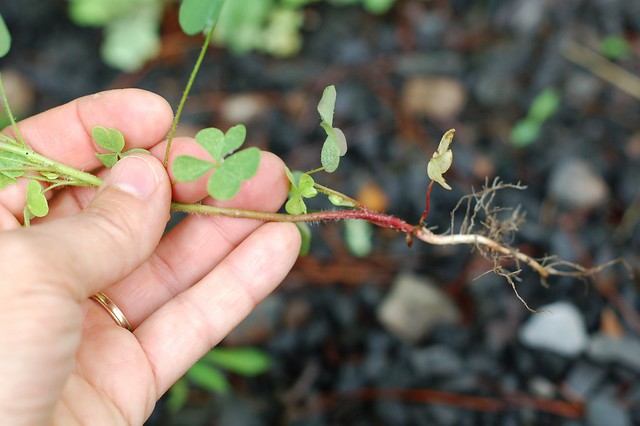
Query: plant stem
(319, 169)
(185, 94)
(78, 177)
(12, 119)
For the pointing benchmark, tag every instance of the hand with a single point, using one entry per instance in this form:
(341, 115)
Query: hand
(62, 357)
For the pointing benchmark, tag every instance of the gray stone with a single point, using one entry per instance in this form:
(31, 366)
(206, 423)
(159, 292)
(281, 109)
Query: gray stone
(414, 306)
(575, 183)
(558, 328)
(625, 350)
(604, 409)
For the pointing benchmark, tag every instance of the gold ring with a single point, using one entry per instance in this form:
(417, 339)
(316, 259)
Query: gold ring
(113, 310)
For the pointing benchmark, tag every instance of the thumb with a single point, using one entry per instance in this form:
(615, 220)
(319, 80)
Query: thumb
(112, 236)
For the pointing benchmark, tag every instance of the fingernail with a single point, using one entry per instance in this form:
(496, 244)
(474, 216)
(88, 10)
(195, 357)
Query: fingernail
(135, 175)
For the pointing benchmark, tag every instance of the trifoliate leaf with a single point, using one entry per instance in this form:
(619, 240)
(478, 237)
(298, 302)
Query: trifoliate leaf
(110, 139)
(208, 378)
(305, 186)
(197, 15)
(330, 155)
(327, 104)
(108, 160)
(234, 138)
(186, 168)
(245, 360)
(441, 160)
(296, 205)
(212, 140)
(5, 38)
(226, 180)
(36, 201)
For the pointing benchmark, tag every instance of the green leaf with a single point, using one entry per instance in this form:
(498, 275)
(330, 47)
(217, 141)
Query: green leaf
(36, 201)
(305, 186)
(186, 168)
(12, 165)
(234, 138)
(292, 179)
(441, 160)
(108, 160)
(378, 6)
(177, 397)
(615, 47)
(341, 140)
(358, 235)
(212, 140)
(134, 151)
(327, 104)
(296, 205)
(6, 181)
(525, 132)
(5, 38)
(197, 15)
(49, 175)
(99, 12)
(226, 180)
(305, 238)
(330, 155)
(208, 378)
(336, 200)
(245, 361)
(109, 139)
(544, 105)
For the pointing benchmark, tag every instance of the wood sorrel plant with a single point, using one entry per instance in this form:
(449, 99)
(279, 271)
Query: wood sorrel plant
(230, 166)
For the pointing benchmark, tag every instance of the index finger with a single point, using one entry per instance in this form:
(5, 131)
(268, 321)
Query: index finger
(64, 133)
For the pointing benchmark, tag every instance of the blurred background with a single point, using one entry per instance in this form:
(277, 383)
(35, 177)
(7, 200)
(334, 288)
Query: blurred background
(366, 330)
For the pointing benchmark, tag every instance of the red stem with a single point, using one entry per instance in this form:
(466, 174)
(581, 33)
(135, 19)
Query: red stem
(426, 203)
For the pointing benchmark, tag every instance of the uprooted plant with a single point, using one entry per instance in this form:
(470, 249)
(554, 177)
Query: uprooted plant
(229, 166)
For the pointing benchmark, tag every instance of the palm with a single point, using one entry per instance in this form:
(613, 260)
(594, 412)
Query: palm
(181, 300)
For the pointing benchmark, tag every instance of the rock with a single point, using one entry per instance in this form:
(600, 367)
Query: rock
(245, 107)
(584, 377)
(440, 98)
(604, 409)
(625, 351)
(436, 361)
(414, 306)
(558, 328)
(575, 183)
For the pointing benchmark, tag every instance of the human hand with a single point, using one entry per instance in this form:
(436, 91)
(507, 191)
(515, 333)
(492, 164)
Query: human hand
(63, 359)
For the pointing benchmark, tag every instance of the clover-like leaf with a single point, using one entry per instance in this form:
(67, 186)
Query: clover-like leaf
(296, 205)
(234, 138)
(305, 238)
(302, 186)
(306, 186)
(108, 160)
(197, 15)
(330, 155)
(441, 160)
(186, 168)
(36, 201)
(337, 200)
(327, 104)
(110, 139)
(226, 180)
(212, 140)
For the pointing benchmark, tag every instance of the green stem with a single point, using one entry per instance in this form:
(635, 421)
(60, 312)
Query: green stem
(185, 94)
(78, 177)
(319, 169)
(12, 119)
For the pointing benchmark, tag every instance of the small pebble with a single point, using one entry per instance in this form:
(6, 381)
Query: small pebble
(574, 183)
(414, 306)
(558, 328)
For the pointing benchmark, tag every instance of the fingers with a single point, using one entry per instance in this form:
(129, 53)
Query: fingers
(196, 245)
(105, 242)
(182, 331)
(64, 133)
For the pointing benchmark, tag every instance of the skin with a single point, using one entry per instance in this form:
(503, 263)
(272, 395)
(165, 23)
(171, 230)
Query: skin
(63, 360)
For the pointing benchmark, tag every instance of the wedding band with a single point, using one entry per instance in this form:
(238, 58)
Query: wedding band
(113, 310)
